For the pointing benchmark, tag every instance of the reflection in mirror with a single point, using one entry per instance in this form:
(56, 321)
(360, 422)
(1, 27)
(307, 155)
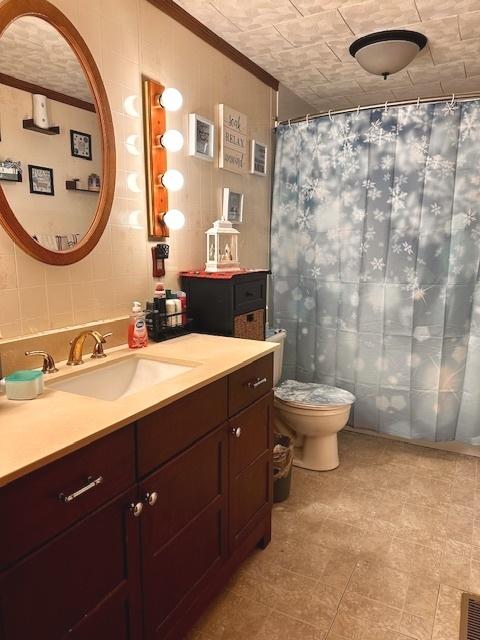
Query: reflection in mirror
(50, 140)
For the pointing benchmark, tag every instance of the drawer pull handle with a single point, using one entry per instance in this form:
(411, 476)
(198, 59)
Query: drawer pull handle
(91, 484)
(249, 294)
(150, 498)
(237, 432)
(254, 384)
(136, 508)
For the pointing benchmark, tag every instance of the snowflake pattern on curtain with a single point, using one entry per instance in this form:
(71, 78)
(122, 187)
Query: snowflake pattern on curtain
(375, 262)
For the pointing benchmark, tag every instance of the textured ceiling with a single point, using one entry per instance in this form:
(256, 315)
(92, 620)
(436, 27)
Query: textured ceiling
(304, 43)
(33, 51)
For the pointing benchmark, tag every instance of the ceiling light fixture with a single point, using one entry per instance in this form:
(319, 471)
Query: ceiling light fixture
(386, 52)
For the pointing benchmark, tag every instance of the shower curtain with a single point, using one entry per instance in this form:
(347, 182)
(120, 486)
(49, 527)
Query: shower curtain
(375, 262)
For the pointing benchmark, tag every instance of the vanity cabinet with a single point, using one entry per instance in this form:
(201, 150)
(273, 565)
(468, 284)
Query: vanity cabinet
(184, 495)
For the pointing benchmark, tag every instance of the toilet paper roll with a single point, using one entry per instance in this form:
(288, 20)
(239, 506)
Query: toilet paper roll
(39, 110)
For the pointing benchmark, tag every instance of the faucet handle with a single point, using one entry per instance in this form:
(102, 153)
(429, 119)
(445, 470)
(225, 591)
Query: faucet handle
(48, 361)
(98, 346)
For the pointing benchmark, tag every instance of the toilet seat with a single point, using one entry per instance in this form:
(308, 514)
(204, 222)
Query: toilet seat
(312, 395)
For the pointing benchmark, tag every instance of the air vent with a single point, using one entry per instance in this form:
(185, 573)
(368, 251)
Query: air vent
(470, 617)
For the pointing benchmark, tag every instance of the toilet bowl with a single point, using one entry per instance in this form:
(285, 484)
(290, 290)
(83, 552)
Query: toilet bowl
(312, 414)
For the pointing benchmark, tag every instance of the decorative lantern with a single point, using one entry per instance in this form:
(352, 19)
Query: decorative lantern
(222, 247)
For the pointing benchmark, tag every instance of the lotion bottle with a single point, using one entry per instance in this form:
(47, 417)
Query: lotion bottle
(137, 329)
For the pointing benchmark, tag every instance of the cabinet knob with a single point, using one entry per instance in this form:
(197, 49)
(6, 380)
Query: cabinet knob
(237, 432)
(150, 498)
(136, 508)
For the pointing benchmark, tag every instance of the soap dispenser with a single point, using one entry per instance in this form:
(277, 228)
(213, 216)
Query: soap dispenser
(137, 328)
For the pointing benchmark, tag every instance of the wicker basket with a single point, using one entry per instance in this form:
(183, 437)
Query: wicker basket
(250, 325)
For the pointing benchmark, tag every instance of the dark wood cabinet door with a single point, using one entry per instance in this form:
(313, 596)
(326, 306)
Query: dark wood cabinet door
(183, 531)
(250, 464)
(82, 585)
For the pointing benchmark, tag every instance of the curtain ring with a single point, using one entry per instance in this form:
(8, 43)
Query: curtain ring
(290, 123)
(330, 115)
(358, 113)
(306, 119)
(453, 100)
(418, 102)
(386, 107)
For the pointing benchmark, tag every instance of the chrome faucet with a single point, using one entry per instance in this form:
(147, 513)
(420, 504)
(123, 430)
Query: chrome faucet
(48, 361)
(76, 346)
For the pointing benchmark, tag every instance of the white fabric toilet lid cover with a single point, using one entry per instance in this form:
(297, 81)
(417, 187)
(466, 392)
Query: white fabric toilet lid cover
(313, 394)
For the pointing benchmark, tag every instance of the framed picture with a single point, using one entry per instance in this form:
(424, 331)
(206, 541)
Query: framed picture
(232, 206)
(201, 133)
(81, 144)
(41, 180)
(258, 158)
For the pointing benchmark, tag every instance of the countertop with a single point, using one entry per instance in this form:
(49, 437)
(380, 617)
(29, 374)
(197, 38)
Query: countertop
(36, 432)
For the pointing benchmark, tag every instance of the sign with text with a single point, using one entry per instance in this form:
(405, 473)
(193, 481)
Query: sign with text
(233, 140)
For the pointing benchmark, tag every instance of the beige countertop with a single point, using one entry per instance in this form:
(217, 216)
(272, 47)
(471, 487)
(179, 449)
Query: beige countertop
(35, 432)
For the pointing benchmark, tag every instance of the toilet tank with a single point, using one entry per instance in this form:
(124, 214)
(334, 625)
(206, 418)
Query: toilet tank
(277, 335)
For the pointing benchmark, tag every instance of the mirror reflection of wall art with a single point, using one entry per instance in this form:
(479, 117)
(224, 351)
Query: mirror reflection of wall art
(258, 158)
(232, 206)
(201, 134)
(41, 180)
(81, 144)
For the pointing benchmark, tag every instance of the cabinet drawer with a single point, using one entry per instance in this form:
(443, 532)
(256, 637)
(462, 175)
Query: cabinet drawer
(249, 384)
(172, 429)
(47, 501)
(249, 295)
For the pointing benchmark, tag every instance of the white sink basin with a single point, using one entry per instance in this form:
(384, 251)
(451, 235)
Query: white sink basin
(119, 379)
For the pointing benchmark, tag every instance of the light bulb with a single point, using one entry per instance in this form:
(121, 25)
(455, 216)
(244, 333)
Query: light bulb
(172, 140)
(171, 99)
(173, 180)
(174, 219)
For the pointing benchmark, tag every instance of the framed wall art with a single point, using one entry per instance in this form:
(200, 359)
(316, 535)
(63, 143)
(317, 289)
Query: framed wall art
(258, 158)
(41, 180)
(232, 206)
(201, 133)
(81, 145)
(233, 140)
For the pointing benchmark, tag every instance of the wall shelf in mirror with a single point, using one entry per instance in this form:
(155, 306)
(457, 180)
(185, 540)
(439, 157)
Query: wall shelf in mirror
(83, 101)
(70, 185)
(31, 126)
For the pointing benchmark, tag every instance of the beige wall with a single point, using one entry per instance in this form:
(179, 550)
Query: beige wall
(128, 38)
(65, 212)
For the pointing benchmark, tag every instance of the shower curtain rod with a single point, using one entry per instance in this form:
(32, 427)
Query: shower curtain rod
(401, 103)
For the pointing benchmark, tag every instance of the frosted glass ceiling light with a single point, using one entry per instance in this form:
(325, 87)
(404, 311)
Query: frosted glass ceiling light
(172, 180)
(174, 219)
(171, 99)
(172, 140)
(386, 52)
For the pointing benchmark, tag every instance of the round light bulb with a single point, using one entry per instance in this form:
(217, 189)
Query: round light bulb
(174, 219)
(172, 140)
(171, 99)
(173, 180)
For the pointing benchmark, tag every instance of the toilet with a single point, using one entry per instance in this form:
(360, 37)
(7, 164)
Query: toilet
(309, 412)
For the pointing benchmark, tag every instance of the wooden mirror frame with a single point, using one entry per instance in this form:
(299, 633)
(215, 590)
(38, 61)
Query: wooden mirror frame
(11, 10)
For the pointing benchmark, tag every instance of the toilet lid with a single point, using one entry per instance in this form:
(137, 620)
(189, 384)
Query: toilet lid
(313, 394)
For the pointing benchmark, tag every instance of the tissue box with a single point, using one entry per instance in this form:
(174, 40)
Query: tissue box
(24, 385)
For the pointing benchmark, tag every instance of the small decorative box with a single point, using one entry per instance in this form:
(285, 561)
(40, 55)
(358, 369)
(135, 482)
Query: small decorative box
(24, 385)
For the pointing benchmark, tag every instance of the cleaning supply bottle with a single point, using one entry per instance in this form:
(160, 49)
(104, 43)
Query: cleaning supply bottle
(137, 329)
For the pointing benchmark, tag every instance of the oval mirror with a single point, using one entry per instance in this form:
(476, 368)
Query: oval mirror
(57, 152)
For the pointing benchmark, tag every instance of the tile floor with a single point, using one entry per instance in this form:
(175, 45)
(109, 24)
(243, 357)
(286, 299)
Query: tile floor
(378, 549)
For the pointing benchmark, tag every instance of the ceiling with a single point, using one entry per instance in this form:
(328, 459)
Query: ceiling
(33, 51)
(304, 43)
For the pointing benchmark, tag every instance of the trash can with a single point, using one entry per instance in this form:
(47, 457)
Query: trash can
(282, 467)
